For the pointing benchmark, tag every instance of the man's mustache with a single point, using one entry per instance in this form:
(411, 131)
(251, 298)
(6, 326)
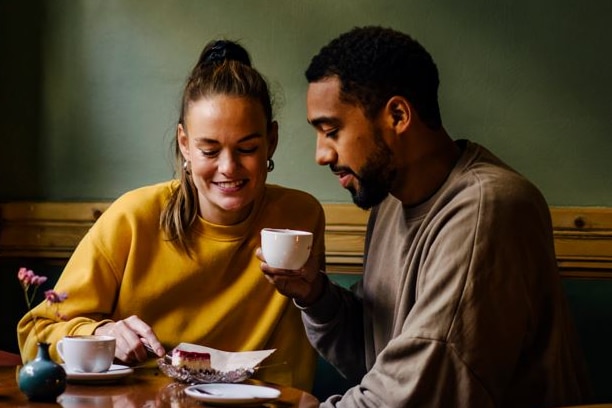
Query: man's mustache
(342, 169)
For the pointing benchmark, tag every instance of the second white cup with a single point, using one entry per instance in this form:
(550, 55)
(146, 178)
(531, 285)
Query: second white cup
(285, 248)
(87, 354)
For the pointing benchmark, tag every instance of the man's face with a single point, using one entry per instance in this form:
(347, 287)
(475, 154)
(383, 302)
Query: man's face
(351, 144)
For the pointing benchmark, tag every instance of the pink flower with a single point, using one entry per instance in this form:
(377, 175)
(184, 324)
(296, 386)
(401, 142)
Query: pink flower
(30, 282)
(29, 278)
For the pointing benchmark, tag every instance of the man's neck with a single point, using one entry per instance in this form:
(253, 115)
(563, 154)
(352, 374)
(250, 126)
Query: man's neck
(431, 157)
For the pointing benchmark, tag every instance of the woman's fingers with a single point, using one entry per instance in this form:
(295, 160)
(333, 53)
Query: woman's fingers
(130, 334)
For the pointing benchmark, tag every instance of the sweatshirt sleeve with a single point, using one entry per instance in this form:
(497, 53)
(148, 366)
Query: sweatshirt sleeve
(334, 326)
(91, 281)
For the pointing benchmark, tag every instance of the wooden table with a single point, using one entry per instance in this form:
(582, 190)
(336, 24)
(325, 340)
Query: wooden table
(147, 387)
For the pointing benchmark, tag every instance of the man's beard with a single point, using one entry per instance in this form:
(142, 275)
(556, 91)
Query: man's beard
(375, 177)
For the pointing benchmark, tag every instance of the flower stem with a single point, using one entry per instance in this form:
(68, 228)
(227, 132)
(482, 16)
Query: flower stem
(29, 300)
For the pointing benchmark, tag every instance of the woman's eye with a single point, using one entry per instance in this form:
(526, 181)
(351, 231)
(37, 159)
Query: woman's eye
(209, 153)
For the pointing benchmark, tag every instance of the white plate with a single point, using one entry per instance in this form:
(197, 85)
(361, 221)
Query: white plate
(232, 394)
(115, 372)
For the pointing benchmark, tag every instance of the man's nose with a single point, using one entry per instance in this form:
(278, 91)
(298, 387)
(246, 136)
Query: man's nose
(324, 154)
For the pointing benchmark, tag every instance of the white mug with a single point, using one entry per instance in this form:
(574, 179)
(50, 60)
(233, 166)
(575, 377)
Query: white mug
(87, 354)
(285, 248)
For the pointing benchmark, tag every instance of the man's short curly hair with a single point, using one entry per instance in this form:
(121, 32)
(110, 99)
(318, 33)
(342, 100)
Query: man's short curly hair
(374, 64)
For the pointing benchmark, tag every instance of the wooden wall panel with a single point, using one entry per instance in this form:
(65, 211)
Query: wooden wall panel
(583, 235)
(45, 230)
(583, 241)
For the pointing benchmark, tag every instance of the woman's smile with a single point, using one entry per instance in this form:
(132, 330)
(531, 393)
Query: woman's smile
(230, 186)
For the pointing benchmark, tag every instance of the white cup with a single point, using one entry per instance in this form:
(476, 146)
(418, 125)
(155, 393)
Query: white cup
(285, 248)
(87, 354)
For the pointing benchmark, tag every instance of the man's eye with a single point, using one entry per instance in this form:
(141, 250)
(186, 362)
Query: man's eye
(331, 133)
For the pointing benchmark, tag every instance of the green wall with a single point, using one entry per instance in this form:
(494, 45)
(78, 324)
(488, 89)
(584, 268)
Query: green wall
(90, 88)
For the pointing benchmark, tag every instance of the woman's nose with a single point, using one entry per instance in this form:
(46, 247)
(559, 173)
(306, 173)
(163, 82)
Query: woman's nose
(227, 162)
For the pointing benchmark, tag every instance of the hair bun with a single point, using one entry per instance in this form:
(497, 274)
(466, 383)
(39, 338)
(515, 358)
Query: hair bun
(222, 50)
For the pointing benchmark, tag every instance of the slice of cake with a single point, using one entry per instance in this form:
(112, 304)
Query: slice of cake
(191, 360)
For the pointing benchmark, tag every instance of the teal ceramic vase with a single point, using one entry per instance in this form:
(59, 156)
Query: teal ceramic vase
(42, 379)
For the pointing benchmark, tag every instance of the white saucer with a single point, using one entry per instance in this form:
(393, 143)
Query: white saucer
(232, 394)
(115, 372)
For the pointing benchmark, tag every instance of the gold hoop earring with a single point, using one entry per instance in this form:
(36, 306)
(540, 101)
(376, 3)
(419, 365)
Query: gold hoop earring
(186, 167)
(270, 165)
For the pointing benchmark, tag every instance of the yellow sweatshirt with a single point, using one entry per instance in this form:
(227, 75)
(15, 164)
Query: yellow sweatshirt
(218, 298)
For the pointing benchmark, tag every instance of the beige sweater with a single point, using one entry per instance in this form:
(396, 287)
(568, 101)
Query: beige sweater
(461, 303)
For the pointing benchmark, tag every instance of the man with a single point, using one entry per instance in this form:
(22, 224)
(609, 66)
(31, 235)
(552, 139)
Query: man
(460, 304)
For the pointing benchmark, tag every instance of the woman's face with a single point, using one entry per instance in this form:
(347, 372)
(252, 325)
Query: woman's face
(227, 143)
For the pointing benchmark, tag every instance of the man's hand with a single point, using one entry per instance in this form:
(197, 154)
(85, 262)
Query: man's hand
(304, 285)
(131, 335)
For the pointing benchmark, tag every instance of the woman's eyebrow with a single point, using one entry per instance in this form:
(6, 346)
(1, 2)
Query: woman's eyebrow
(206, 140)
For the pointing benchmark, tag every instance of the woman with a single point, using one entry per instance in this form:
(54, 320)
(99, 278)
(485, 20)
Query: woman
(175, 262)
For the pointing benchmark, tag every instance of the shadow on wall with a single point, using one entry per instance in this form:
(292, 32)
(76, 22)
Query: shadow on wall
(590, 302)
(21, 25)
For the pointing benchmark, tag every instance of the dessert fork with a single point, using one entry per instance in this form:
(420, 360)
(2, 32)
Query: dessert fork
(167, 356)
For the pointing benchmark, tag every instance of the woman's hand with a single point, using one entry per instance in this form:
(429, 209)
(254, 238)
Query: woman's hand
(131, 334)
(304, 285)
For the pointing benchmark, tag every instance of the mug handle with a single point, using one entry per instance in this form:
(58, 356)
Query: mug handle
(60, 348)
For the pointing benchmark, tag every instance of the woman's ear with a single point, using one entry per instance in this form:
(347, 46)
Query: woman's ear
(399, 113)
(272, 138)
(183, 141)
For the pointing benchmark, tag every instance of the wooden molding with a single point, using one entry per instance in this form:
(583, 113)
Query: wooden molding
(344, 237)
(583, 241)
(583, 235)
